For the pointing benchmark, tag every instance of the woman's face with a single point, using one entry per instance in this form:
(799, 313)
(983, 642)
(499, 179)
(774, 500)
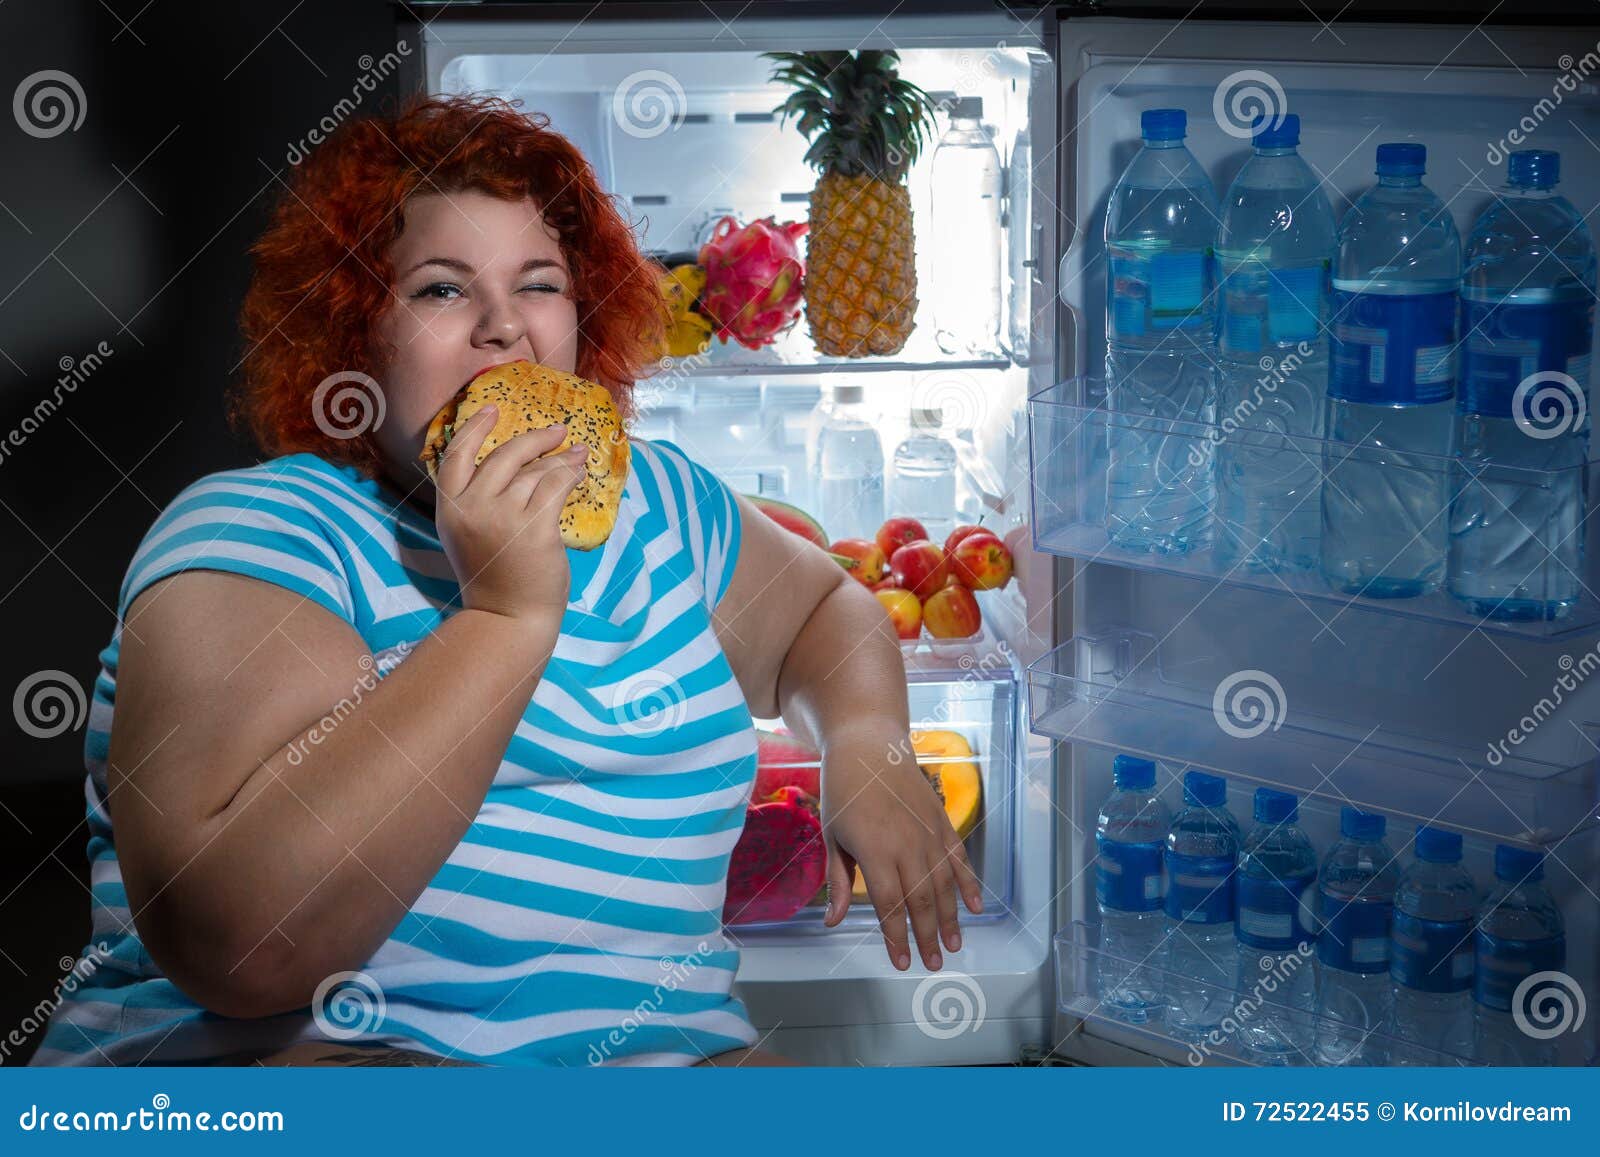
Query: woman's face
(478, 281)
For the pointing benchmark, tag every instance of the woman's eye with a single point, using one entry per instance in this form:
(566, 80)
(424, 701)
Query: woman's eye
(434, 291)
(544, 287)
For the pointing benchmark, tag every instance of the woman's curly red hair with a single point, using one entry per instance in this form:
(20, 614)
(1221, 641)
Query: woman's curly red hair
(322, 279)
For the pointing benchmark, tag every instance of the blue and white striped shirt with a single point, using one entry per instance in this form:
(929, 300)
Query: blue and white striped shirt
(579, 919)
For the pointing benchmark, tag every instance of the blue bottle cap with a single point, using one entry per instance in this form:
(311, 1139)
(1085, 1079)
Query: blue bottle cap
(1355, 824)
(1276, 807)
(1282, 133)
(1517, 864)
(1204, 790)
(1402, 159)
(1129, 771)
(1437, 846)
(1163, 124)
(1534, 168)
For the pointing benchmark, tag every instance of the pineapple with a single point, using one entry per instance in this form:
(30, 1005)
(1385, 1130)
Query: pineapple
(866, 126)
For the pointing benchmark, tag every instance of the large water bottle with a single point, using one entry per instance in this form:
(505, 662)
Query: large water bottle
(1355, 900)
(1527, 312)
(1161, 231)
(1520, 933)
(1202, 855)
(1430, 953)
(1274, 255)
(849, 467)
(924, 484)
(1276, 976)
(965, 207)
(1128, 835)
(1395, 293)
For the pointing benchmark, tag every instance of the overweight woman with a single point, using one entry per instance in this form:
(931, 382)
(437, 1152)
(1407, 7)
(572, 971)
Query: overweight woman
(379, 771)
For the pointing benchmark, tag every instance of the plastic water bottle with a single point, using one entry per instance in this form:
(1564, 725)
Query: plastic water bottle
(1520, 933)
(924, 484)
(965, 207)
(1392, 377)
(1430, 953)
(1161, 232)
(1128, 835)
(1355, 900)
(1274, 255)
(1276, 976)
(1202, 855)
(1527, 312)
(849, 467)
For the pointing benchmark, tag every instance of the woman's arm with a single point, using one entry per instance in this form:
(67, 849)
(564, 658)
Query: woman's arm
(277, 807)
(811, 644)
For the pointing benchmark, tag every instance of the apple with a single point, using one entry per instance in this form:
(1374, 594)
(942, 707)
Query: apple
(952, 613)
(864, 560)
(958, 534)
(895, 533)
(920, 567)
(982, 561)
(886, 583)
(905, 611)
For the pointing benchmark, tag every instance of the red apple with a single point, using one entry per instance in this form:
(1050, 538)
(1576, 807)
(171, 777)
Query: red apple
(886, 583)
(905, 611)
(952, 613)
(982, 561)
(895, 533)
(958, 534)
(865, 561)
(920, 567)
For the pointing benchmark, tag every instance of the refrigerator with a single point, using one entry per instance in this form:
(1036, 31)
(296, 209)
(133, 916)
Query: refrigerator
(1408, 708)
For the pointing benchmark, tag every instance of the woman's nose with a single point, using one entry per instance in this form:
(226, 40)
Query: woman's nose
(500, 325)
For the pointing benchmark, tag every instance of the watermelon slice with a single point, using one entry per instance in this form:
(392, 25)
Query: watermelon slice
(791, 518)
(783, 761)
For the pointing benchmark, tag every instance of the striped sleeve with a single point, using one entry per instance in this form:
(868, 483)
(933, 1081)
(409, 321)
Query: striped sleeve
(258, 522)
(709, 522)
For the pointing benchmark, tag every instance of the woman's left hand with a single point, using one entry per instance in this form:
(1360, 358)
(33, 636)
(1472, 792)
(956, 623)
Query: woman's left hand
(880, 811)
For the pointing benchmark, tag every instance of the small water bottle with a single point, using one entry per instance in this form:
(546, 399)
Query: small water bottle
(1276, 974)
(849, 467)
(1128, 835)
(1391, 381)
(1430, 953)
(1274, 255)
(1527, 312)
(1160, 237)
(924, 484)
(1520, 933)
(1355, 901)
(965, 208)
(1202, 855)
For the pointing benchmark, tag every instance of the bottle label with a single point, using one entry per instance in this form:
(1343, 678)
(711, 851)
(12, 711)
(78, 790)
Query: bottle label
(1200, 889)
(1178, 287)
(1294, 303)
(1503, 963)
(1355, 933)
(1271, 911)
(1127, 877)
(1431, 955)
(1392, 349)
(1506, 343)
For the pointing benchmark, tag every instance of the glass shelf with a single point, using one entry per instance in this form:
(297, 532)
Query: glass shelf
(793, 353)
(1071, 431)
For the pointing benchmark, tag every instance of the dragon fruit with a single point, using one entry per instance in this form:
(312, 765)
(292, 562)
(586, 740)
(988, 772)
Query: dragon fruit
(779, 862)
(754, 276)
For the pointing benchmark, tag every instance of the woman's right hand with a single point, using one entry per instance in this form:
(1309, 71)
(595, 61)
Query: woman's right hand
(499, 522)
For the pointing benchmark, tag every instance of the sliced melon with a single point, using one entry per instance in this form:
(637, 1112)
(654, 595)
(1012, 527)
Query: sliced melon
(791, 518)
(958, 781)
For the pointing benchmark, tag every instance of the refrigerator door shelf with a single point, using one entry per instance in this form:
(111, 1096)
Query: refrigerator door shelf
(1116, 690)
(1072, 430)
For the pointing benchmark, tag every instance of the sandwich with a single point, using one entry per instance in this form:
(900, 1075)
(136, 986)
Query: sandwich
(531, 397)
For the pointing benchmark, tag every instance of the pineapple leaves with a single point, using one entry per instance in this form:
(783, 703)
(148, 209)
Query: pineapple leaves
(855, 110)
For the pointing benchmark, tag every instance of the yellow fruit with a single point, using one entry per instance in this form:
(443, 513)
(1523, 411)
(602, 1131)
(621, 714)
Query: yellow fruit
(861, 272)
(688, 331)
(958, 781)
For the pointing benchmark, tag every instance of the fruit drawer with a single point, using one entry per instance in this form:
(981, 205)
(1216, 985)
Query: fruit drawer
(964, 739)
(1146, 492)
